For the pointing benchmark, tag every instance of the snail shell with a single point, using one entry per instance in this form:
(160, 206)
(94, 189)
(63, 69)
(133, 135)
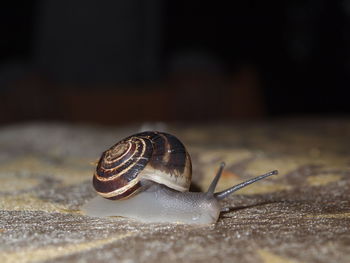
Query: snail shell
(153, 156)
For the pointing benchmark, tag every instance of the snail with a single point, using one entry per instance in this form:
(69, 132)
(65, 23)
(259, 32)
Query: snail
(147, 176)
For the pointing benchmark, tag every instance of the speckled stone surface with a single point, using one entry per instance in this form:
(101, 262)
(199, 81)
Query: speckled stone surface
(300, 215)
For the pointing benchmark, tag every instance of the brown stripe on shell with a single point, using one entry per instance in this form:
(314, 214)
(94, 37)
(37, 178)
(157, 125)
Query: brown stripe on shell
(108, 186)
(178, 154)
(130, 192)
(118, 151)
(169, 154)
(136, 161)
(105, 165)
(108, 180)
(160, 145)
(119, 180)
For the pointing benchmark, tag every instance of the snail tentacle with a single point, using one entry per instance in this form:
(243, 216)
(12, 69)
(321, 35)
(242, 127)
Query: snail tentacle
(215, 181)
(225, 193)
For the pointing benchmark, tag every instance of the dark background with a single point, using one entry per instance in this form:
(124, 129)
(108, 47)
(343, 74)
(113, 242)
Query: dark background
(118, 62)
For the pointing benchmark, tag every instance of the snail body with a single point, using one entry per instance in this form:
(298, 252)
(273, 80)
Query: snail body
(147, 177)
(159, 204)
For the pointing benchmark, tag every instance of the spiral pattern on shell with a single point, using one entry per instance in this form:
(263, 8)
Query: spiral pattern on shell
(154, 156)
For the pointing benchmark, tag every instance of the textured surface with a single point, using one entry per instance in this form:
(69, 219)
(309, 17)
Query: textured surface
(300, 215)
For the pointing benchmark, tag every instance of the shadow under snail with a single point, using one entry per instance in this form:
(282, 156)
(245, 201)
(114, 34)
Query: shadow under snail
(147, 177)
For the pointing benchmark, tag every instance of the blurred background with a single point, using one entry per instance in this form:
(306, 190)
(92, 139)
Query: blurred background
(121, 62)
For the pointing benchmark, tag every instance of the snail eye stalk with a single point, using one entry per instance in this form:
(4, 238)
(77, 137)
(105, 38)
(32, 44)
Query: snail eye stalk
(223, 194)
(215, 181)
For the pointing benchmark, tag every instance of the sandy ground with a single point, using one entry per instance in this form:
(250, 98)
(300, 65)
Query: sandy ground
(300, 215)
